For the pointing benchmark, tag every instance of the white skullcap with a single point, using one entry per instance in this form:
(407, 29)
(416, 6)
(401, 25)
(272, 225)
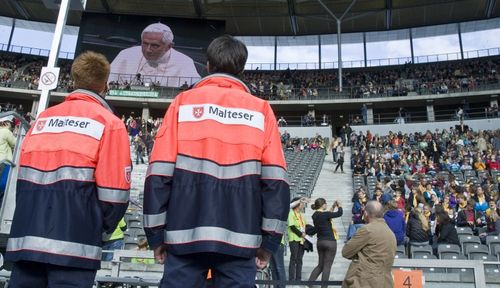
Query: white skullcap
(168, 36)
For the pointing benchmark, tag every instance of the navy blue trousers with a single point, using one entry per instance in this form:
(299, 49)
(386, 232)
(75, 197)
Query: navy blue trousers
(27, 274)
(191, 270)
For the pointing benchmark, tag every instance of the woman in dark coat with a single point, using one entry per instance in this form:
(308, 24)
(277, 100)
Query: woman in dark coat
(327, 237)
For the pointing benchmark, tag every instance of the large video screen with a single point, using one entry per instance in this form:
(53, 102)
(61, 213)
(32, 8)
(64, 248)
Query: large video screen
(150, 50)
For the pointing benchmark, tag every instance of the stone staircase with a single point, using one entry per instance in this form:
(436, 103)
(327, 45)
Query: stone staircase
(331, 186)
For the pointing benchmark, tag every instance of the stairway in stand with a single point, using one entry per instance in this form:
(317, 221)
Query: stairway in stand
(331, 186)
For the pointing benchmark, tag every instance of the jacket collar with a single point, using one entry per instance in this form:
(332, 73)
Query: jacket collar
(221, 78)
(86, 94)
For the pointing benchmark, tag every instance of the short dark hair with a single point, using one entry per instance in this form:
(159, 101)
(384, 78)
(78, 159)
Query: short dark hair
(90, 70)
(227, 54)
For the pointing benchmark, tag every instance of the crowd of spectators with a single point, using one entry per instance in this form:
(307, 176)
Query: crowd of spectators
(435, 78)
(142, 133)
(298, 144)
(27, 68)
(437, 180)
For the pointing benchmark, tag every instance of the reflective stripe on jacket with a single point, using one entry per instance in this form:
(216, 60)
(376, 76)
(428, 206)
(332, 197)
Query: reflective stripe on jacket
(73, 183)
(217, 176)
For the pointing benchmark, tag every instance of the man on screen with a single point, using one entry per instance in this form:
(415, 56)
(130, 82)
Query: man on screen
(155, 60)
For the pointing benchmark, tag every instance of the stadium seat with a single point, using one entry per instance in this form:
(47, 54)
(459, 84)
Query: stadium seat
(492, 239)
(131, 245)
(491, 270)
(466, 239)
(401, 248)
(471, 249)
(452, 256)
(420, 251)
(495, 250)
(422, 255)
(469, 173)
(464, 231)
(495, 174)
(448, 249)
(481, 256)
(401, 252)
(480, 174)
(133, 232)
(434, 270)
(400, 256)
(135, 224)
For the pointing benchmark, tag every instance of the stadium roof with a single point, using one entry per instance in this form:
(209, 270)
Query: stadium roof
(278, 17)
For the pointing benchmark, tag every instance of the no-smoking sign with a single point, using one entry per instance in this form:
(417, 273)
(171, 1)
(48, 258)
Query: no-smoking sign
(48, 78)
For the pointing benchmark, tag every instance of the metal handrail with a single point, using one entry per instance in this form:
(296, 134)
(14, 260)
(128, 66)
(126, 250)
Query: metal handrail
(476, 265)
(16, 115)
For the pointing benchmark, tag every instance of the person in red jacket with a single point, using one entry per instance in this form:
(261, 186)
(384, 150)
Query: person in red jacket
(72, 187)
(216, 193)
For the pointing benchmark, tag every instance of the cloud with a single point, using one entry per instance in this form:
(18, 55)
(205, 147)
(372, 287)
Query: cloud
(447, 46)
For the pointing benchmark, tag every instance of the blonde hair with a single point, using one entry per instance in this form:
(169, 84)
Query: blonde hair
(422, 218)
(90, 71)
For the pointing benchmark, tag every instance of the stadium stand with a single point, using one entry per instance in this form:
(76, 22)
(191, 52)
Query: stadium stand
(386, 163)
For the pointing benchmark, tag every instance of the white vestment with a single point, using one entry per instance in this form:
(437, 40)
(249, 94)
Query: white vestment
(172, 69)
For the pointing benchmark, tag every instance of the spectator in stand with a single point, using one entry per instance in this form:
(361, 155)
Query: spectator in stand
(394, 218)
(492, 163)
(445, 230)
(7, 144)
(372, 251)
(399, 199)
(356, 120)
(358, 208)
(418, 230)
(327, 237)
(466, 217)
(493, 218)
(282, 122)
(377, 195)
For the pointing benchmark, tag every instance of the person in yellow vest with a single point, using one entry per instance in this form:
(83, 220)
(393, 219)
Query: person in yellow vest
(115, 242)
(277, 262)
(296, 233)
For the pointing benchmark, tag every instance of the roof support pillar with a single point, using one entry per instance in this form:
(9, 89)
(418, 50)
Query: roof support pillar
(339, 34)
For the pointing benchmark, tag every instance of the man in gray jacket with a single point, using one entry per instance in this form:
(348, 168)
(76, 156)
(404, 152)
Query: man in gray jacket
(372, 250)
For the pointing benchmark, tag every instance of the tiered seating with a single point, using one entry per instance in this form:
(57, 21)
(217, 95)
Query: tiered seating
(303, 170)
(135, 230)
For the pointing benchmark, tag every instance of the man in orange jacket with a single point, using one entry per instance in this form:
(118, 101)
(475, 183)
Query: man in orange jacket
(216, 192)
(72, 187)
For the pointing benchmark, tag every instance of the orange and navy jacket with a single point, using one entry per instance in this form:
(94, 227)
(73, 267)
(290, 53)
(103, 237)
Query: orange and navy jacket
(217, 179)
(73, 184)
